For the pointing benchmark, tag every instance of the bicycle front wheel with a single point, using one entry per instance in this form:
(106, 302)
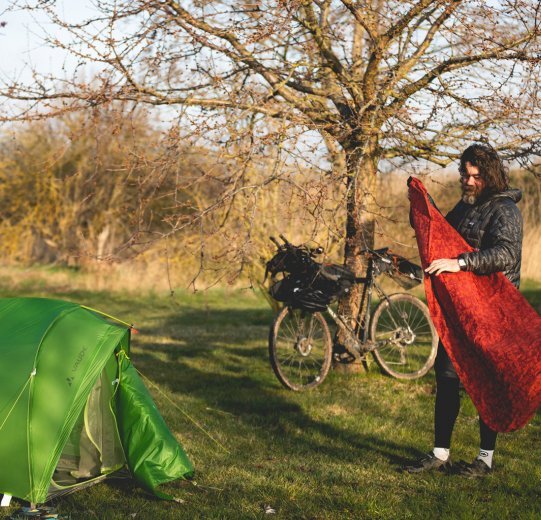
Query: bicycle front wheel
(300, 348)
(405, 338)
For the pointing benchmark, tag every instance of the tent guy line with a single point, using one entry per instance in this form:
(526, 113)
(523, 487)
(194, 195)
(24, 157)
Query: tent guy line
(163, 394)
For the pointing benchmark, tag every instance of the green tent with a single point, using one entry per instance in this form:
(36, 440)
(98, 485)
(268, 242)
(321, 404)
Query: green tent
(73, 409)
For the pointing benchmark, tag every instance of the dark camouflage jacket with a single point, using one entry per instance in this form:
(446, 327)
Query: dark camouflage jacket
(493, 226)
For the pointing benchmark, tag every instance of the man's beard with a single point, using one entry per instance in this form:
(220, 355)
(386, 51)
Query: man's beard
(470, 194)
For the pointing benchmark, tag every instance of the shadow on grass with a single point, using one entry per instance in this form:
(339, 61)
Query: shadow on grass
(217, 363)
(212, 318)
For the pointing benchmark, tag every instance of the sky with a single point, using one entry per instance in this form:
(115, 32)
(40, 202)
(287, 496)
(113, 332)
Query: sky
(21, 46)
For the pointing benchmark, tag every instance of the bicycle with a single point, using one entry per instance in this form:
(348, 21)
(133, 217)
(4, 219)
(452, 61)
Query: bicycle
(398, 332)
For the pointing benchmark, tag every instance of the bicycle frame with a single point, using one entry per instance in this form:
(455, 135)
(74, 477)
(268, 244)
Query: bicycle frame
(359, 335)
(397, 332)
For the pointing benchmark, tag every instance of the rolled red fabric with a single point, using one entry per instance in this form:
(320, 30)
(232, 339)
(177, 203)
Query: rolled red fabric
(491, 333)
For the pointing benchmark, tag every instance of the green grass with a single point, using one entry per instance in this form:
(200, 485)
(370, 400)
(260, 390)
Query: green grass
(333, 452)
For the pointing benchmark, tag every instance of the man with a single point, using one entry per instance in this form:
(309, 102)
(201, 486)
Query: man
(489, 220)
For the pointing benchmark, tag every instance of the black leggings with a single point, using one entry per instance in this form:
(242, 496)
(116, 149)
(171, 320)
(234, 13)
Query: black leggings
(446, 412)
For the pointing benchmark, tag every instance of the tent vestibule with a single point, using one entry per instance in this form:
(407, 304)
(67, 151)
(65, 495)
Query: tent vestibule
(73, 409)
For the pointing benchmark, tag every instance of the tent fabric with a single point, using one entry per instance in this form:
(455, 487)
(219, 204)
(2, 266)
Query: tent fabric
(154, 457)
(53, 353)
(489, 330)
(93, 448)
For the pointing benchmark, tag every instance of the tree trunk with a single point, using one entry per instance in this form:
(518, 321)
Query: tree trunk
(360, 230)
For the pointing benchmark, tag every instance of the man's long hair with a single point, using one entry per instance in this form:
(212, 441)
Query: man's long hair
(491, 167)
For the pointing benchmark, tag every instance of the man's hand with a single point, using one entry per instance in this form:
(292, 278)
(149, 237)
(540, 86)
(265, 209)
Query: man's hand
(443, 265)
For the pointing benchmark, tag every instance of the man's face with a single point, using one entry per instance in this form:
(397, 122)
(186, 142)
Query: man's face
(472, 184)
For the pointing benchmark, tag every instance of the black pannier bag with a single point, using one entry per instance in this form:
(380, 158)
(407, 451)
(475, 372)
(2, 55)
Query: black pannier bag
(313, 291)
(297, 294)
(335, 279)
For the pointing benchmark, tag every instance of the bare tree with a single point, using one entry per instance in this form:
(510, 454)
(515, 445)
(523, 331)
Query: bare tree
(87, 186)
(376, 80)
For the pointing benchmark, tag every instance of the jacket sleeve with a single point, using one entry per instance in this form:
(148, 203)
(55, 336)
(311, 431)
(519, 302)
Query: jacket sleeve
(504, 239)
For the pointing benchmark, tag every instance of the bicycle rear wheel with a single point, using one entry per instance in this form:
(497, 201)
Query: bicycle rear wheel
(406, 340)
(300, 348)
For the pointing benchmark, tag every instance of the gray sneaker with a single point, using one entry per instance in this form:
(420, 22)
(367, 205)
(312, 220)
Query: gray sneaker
(476, 469)
(429, 463)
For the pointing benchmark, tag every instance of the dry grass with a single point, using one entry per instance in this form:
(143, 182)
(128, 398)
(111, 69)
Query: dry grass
(131, 278)
(176, 265)
(531, 250)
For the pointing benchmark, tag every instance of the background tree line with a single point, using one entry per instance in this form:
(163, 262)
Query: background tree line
(109, 186)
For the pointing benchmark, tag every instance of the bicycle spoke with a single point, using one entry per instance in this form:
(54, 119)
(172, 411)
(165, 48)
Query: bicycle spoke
(301, 349)
(404, 336)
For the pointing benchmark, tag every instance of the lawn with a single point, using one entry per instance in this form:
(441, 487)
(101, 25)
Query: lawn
(333, 452)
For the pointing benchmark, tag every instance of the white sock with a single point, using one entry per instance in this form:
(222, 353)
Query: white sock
(486, 457)
(441, 453)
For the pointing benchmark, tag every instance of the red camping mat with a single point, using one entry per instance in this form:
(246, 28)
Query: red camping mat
(489, 330)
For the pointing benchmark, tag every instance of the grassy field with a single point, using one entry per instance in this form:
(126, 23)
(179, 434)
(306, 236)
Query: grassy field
(333, 452)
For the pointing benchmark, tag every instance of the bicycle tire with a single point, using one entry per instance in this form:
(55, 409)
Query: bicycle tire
(300, 348)
(403, 323)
